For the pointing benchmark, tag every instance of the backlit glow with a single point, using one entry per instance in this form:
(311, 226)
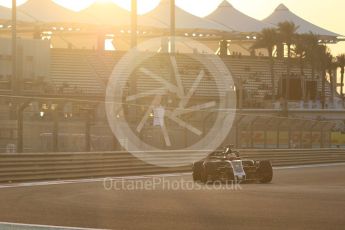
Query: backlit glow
(256, 8)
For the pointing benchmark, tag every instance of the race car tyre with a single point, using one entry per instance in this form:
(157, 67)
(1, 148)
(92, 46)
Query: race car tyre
(197, 172)
(203, 175)
(209, 173)
(265, 172)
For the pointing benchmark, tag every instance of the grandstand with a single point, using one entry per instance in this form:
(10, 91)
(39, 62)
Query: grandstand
(63, 96)
(85, 73)
(90, 71)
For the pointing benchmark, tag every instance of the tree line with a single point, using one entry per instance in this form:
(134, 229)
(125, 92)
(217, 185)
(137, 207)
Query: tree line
(307, 49)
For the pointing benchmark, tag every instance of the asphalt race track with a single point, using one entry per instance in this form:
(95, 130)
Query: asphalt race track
(298, 198)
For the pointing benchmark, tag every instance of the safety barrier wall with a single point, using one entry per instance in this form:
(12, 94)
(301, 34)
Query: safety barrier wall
(53, 166)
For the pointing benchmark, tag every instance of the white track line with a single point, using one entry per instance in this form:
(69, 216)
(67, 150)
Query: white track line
(309, 166)
(12, 226)
(82, 181)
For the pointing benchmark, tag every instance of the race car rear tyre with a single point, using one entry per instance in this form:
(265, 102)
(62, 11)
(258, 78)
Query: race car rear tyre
(265, 172)
(197, 172)
(196, 175)
(203, 175)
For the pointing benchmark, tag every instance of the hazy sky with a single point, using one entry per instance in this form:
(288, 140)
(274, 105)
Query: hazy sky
(328, 14)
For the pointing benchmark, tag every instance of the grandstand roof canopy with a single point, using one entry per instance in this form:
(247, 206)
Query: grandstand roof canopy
(230, 17)
(110, 14)
(6, 15)
(282, 13)
(184, 20)
(105, 14)
(43, 11)
(224, 19)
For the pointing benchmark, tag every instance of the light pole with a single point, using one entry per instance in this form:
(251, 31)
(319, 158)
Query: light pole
(134, 23)
(88, 113)
(14, 82)
(172, 26)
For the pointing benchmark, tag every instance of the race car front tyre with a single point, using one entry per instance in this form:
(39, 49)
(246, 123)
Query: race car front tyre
(265, 172)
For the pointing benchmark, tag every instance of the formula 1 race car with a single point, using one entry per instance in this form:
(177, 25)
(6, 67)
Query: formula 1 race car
(225, 164)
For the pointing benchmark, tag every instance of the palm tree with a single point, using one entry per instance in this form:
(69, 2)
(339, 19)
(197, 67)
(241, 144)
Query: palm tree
(341, 64)
(287, 33)
(300, 51)
(322, 64)
(267, 39)
(330, 65)
(312, 44)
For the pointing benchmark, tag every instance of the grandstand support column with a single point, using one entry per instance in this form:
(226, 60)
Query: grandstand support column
(322, 138)
(278, 133)
(280, 51)
(100, 40)
(333, 83)
(88, 113)
(265, 132)
(289, 134)
(88, 133)
(239, 90)
(115, 143)
(37, 34)
(14, 82)
(287, 93)
(223, 48)
(323, 85)
(301, 135)
(20, 68)
(20, 126)
(134, 23)
(252, 133)
(56, 131)
(330, 139)
(238, 123)
(205, 122)
(237, 133)
(265, 138)
(172, 26)
(311, 134)
(278, 137)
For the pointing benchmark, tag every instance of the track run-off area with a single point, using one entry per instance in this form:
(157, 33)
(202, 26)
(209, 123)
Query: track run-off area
(301, 197)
